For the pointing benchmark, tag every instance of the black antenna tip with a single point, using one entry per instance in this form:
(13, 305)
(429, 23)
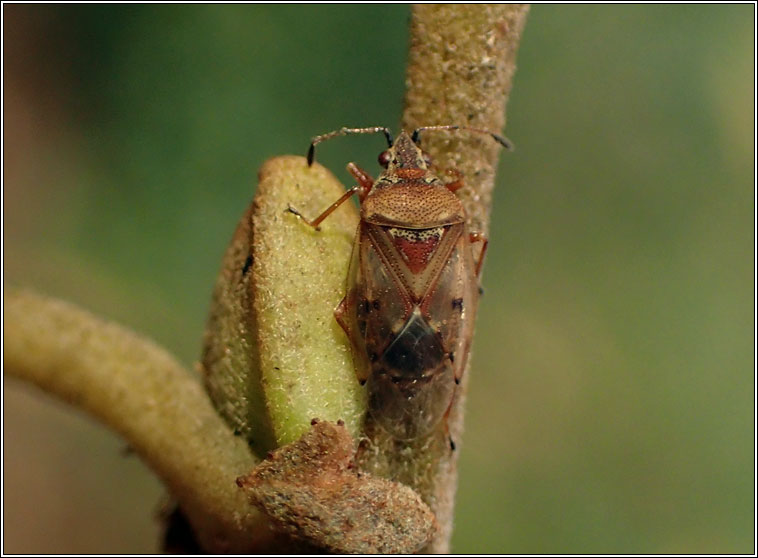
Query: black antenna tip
(311, 151)
(505, 142)
(388, 135)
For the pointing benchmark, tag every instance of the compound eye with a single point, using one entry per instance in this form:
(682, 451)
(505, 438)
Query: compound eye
(384, 158)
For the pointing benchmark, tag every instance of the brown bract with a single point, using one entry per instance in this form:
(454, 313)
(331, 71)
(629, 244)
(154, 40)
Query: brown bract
(311, 490)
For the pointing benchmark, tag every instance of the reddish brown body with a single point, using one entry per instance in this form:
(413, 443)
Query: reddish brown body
(412, 289)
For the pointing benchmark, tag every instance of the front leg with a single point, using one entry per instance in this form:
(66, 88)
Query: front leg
(455, 181)
(364, 179)
(365, 182)
(317, 221)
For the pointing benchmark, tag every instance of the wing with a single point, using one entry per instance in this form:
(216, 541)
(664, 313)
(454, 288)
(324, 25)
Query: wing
(346, 314)
(375, 306)
(450, 304)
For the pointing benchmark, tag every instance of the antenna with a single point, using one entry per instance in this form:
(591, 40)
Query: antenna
(344, 132)
(502, 140)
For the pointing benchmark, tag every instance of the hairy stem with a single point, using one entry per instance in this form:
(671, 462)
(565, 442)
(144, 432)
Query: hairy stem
(140, 391)
(461, 65)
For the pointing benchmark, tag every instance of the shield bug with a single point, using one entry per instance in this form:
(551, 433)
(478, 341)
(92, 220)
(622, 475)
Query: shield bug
(412, 285)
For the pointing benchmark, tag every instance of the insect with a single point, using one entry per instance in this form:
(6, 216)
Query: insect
(412, 284)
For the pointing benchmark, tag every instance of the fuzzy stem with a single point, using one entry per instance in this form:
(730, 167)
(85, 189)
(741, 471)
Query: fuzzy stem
(460, 70)
(144, 394)
(461, 64)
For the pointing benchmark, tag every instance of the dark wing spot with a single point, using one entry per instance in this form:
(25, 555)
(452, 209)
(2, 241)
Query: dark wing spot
(416, 349)
(376, 305)
(458, 304)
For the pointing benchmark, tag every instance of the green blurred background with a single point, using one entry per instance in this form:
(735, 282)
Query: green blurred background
(611, 407)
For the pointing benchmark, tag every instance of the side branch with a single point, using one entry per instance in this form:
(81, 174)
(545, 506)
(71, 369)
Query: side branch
(144, 394)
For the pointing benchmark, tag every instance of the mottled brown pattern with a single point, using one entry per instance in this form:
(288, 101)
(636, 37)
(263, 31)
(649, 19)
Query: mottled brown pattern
(312, 491)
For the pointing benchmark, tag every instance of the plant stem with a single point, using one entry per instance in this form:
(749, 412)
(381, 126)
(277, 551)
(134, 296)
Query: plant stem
(140, 391)
(460, 70)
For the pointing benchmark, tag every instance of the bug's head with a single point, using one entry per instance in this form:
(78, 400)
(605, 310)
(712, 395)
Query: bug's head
(404, 154)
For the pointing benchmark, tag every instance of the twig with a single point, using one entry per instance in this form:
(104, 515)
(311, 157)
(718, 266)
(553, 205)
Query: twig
(141, 392)
(461, 64)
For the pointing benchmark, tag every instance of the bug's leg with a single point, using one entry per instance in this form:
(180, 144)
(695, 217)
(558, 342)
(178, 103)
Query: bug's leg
(364, 179)
(456, 182)
(479, 237)
(365, 182)
(340, 314)
(317, 221)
